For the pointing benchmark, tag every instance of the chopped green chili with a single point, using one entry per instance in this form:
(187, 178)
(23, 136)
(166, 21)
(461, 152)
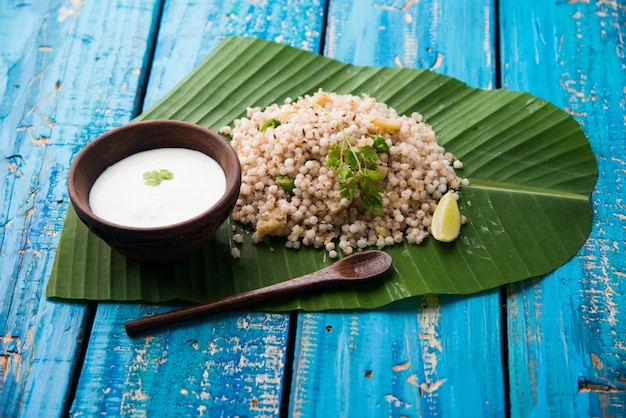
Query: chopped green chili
(286, 183)
(270, 123)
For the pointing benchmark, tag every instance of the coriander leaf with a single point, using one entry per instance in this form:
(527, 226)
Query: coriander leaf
(154, 177)
(373, 203)
(166, 174)
(372, 196)
(373, 176)
(380, 144)
(370, 157)
(349, 189)
(344, 173)
(334, 156)
(370, 187)
(351, 157)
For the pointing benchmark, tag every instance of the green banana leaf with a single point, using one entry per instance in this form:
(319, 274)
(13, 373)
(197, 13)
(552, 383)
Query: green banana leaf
(530, 166)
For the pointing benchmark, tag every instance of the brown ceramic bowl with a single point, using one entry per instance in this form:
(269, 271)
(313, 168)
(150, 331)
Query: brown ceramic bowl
(169, 242)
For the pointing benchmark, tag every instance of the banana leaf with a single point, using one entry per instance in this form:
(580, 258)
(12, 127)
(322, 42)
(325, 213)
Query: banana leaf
(530, 166)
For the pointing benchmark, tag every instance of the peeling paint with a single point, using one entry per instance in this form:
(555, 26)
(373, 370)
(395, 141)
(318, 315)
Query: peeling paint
(597, 363)
(67, 12)
(10, 357)
(430, 343)
(402, 366)
(354, 331)
(398, 8)
(395, 401)
(487, 43)
(431, 387)
(438, 62)
(413, 380)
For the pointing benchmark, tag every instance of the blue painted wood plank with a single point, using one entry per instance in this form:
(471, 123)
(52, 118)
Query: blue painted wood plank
(182, 43)
(61, 83)
(567, 331)
(228, 365)
(427, 356)
(231, 365)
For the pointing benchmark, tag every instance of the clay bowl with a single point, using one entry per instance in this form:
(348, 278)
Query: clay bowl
(153, 244)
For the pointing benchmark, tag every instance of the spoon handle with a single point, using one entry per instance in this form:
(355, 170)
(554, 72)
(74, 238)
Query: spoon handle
(240, 300)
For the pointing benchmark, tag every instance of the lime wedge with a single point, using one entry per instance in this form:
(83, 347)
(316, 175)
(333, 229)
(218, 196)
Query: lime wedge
(446, 222)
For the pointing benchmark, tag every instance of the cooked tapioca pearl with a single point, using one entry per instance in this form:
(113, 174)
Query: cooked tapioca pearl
(416, 171)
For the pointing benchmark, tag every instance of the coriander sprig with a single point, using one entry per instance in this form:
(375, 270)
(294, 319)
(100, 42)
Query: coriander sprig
(356, 169)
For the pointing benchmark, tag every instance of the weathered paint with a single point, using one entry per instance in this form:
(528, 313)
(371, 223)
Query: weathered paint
(414, 358)
(62, 84)
(228, 365)
(231, 365)
(69, 70)
(432, 355)
(567, 331)
(189, 31)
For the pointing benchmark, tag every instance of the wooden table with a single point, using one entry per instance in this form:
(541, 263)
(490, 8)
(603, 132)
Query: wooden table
(551, 346)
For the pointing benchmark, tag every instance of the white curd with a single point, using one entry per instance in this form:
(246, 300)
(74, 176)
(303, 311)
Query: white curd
(120, 194)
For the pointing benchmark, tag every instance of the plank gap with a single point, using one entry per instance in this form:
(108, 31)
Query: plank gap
(142, 85)
(79, 358)
(285, 399)
(504, 341)
(504, 323)
(497, 55)
(322, 45)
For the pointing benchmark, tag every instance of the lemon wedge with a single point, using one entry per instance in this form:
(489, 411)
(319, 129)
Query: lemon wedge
(446, 223)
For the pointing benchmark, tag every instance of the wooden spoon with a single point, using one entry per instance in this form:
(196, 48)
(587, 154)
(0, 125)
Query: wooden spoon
(357, 267)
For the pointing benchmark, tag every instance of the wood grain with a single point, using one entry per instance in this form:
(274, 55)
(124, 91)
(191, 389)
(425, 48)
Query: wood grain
(566, 333)
(230, 365)
(190, 31)
(62, 83)
(427, 356)
(70, 70)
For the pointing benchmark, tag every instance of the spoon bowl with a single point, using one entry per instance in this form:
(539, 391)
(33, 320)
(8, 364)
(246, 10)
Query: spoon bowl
(358, 267)
(361, 265)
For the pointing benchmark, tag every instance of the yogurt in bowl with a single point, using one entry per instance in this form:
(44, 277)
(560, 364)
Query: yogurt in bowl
(155, 190)
(158, 187)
